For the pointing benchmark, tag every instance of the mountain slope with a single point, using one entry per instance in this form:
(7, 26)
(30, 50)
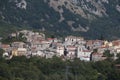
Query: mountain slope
(88, 18)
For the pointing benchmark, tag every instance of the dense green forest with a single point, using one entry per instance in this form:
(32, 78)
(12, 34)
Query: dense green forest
(36, 68)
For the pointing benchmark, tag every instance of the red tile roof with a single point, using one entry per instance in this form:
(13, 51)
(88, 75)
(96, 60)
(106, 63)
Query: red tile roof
(5, 46)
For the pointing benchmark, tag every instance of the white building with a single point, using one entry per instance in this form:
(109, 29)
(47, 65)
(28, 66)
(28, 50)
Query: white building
(18, 45)
(83, 53)
(71, 40)
(60, 50)
(21, 51)
(38, 53)
(118, 50)
(71, 51)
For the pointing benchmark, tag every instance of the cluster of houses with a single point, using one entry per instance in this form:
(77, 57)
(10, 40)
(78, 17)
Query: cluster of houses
(71, 47)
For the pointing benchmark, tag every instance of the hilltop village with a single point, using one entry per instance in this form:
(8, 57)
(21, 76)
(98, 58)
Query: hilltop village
(36, 44)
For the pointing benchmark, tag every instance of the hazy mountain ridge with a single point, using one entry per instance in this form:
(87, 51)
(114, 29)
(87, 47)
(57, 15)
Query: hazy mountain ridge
(89, 18)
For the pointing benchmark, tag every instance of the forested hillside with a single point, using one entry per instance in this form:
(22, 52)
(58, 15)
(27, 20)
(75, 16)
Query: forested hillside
(36, 68)
(88, 18)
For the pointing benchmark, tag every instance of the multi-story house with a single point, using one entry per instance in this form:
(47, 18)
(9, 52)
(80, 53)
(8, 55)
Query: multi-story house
(60, 50)
(71, 51)
(83, 53)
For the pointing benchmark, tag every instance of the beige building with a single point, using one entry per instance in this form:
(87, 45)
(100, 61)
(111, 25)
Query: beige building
(14, 52)
(22, 51)
(19, 52)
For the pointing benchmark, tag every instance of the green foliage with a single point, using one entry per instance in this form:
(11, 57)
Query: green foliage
(1, 51)
(36, 68)
(118, 60)
(108, 54)
(6, 28)
(95, 50)
(39, 14)
(1, 54)
(10, 39)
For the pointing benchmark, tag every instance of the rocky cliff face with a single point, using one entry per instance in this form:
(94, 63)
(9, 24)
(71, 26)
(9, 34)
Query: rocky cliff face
(90, 18)
(80, 7)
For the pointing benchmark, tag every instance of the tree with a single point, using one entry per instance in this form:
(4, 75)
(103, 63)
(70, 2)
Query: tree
(95, 50)
(1, 54)
(102, 37)
(108, 54)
